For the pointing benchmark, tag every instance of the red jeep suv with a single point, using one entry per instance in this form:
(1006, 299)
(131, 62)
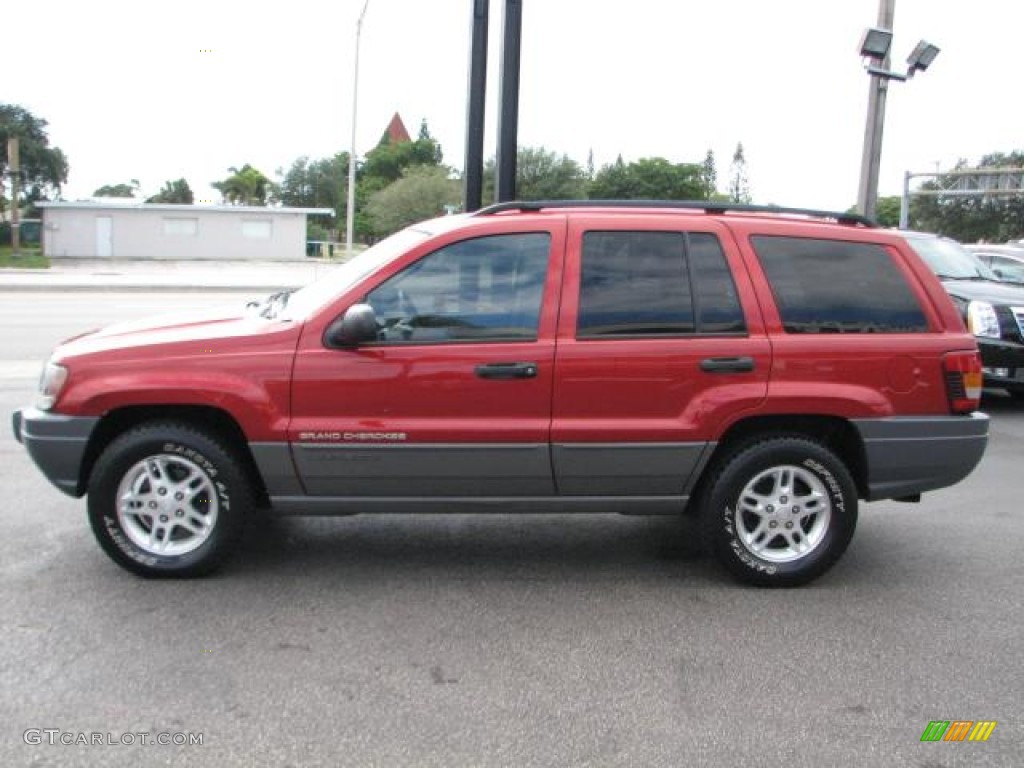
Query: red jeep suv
(762, 368)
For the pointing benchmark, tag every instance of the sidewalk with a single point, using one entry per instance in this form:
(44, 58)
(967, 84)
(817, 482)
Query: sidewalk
(111, 275)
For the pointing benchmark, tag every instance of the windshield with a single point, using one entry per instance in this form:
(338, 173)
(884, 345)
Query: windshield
(950, 260)
(306, 300)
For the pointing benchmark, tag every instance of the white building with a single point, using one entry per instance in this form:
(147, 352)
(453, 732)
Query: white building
(127, 230)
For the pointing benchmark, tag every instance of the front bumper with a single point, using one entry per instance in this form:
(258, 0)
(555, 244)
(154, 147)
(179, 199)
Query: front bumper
(1005, 378)
(56, 444)
(1000, 353)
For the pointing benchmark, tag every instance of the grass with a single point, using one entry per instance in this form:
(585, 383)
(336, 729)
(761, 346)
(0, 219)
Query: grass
(29, 258)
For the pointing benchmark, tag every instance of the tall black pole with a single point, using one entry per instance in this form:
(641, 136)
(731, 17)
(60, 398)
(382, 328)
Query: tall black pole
(871, 159)
(473, 187)
(508, 116)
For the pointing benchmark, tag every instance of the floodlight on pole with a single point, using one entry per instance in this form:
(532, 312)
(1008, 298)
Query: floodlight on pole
(351, 203)
(921, 57)
(874, 47)
(876, 43)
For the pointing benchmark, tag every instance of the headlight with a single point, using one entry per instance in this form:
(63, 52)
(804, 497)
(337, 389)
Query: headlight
(50, 384)
(982, 320)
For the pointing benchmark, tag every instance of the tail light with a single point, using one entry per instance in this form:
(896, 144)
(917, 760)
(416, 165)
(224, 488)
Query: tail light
(963, 381)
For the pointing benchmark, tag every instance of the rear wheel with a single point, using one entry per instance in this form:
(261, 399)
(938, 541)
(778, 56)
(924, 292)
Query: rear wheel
(166, 499)
(780, 512)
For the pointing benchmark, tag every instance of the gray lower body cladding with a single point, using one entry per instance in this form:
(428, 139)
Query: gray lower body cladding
(651, 478)
(904, 456)
(908, 456)
(56, 444)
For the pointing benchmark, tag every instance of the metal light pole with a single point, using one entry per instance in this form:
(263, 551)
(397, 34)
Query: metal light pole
(350, 212)
(508, 115)
(14, 166)
(474, 177)
(874, 48)
(871, 160)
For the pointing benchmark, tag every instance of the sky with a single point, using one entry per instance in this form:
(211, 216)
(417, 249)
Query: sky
(160, 90)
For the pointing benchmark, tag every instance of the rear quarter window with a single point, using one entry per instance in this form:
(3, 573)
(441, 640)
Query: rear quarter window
(833, 286)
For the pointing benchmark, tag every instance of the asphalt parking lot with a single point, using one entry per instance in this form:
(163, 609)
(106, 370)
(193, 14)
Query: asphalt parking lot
(499, 640)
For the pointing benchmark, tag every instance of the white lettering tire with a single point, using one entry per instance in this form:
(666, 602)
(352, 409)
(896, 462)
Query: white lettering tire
(167, 499)
(780, 512)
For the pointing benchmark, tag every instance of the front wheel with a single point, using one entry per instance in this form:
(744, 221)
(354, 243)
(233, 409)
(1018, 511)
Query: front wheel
(166, 499)
(780, 512)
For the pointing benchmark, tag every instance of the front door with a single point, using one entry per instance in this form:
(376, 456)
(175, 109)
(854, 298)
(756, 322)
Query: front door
(454, 398)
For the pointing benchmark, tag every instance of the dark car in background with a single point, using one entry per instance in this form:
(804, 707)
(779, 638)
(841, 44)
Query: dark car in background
(1006, 261)
(993, 310)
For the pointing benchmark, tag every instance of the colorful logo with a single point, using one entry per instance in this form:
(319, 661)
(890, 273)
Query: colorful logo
(958, 730)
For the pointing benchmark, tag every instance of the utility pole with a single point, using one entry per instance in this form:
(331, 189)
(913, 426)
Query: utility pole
(508, 117)
(14, 167)
(350, 212)
(474, 177)
(867, 196)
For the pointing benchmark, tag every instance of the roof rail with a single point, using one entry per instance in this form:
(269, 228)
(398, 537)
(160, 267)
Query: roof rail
(707, 206)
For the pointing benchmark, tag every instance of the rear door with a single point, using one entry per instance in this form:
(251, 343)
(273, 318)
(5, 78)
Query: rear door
(454, 399)
(660, 348)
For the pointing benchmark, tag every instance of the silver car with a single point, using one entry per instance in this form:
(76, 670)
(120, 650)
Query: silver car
(1006, 261)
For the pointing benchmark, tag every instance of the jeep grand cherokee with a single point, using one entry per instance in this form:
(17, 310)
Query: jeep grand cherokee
(764, 369)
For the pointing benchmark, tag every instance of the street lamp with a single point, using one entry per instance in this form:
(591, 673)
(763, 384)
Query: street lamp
(350, 207)
(874, 49)
(921, 57)
(875, 43)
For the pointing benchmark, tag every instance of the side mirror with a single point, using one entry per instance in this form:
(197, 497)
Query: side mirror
(357, 326)
(999, 273)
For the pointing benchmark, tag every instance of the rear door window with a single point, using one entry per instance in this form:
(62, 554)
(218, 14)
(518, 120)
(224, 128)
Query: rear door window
(655, 284)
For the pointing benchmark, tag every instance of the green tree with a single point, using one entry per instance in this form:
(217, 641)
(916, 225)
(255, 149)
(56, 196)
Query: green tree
(541, 175)
(321, 183)
(739, 182)
(118, 190)
(385, 163)
(887, 211)
(423, 192)
(178, 192)
(650, 178)
(43, 168)
(246, 186)
(968, 218)
(709, 176)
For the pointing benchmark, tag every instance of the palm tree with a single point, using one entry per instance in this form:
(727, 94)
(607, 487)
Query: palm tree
(245, 186)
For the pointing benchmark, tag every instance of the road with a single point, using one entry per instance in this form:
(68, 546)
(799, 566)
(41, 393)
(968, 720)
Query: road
(503, 640)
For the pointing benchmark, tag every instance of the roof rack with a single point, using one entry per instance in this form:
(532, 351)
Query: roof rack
(710, 207)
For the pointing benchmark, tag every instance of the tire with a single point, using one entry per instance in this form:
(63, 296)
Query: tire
(168, 500)
(780, 512)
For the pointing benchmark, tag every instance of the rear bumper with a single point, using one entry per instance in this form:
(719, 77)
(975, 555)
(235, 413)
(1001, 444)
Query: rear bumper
(56, 444)
(907, 456)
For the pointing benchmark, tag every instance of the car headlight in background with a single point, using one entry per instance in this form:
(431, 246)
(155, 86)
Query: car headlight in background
(982, 319)
(50, 384)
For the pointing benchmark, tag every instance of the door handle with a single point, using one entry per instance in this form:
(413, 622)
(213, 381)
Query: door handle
(507, 371)
(727, 364)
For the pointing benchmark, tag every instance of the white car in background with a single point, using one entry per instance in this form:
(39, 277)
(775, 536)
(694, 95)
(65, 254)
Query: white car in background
(1006, 261)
